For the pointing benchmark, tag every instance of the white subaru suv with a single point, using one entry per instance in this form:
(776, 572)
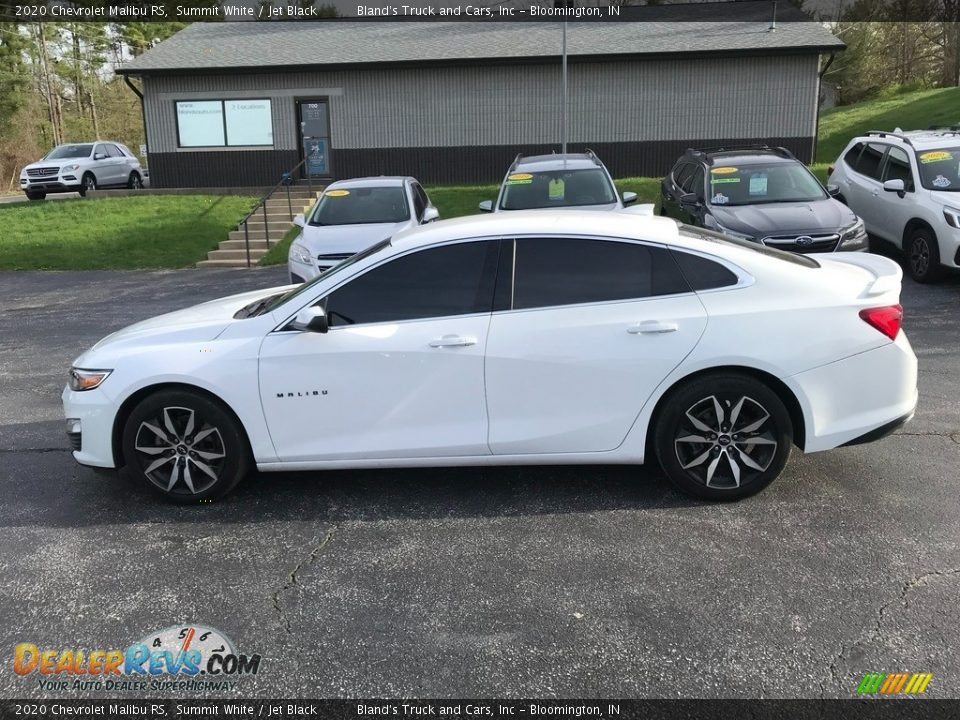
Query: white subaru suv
(906, 187)
(81, 167)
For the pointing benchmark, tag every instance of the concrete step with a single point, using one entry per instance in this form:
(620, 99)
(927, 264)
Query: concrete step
(276, 235)
(241, 245)
(226, 263)
(236, 255)
(277, 228)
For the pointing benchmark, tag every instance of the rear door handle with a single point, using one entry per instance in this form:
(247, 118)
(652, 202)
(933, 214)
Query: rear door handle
(652, 327)
(453, 341)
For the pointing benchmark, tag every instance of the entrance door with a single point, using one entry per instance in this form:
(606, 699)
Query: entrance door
(314, 137)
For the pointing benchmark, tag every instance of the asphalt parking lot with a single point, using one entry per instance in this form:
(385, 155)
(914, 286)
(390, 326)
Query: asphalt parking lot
(517, 582)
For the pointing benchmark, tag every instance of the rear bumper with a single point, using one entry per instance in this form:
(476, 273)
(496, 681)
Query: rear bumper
(858, 399)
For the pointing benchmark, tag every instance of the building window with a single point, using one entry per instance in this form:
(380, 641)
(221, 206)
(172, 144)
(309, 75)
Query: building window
(224, 123)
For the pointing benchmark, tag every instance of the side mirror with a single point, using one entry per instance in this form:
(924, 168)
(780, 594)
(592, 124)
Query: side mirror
(99, 156)
(833, 190)
(629, 197)
(486, 206)
(896, 186)
(430, 214)
(311, 319)
(690, 199)
(299, 220)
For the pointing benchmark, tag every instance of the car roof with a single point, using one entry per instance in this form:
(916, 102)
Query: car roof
(915, 138)
(379, 181)
(546, 163)
(628, 225)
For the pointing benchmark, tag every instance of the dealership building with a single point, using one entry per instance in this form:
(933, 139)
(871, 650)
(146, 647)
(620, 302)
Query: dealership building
(239, 103)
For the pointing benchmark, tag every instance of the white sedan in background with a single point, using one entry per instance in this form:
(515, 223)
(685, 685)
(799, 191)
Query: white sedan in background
(519, 338)
(351, 215)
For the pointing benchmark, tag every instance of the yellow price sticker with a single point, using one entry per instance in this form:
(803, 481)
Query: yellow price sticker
(337, 193)
(726, 170)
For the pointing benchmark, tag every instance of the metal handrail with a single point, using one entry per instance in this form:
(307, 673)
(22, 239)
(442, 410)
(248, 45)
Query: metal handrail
(285, 179)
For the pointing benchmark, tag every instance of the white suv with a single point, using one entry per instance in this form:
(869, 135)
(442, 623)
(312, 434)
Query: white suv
(80, 167)
(906, 187)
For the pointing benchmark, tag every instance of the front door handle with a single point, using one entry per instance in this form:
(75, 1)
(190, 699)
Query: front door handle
(652, 327)
(453, 341)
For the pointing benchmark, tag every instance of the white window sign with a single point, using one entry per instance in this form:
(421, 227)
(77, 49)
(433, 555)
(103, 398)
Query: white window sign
(222, 123)
(200, 123)
(248, 122)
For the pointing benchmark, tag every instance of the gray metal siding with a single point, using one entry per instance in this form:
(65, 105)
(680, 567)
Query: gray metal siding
(642, 100)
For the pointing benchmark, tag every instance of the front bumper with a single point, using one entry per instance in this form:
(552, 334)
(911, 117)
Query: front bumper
(90, 426)
(62, 183)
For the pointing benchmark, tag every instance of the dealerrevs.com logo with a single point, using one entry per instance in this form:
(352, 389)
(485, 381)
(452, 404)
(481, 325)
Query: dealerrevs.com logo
(181, 657)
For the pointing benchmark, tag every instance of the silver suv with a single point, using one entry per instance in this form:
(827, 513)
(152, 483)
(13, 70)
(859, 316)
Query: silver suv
(571, 180)
(79, 167)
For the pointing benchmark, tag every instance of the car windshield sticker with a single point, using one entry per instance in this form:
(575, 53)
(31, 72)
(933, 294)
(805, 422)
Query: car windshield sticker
(940, 181)
(725, 170)
(336, 193)
(758, 184)
(717, 181)
(555, 189)
(935, 156)
(719, 199)
(519, 179)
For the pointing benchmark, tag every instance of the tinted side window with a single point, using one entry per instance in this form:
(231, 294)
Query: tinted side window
(682, 172)
(100, 150)
(695, 183)
(419, 204)
(703, 274)
(114, 151)
(437, 282)
(853, 155)
(898, 168)
(569, 271)
(869, 163)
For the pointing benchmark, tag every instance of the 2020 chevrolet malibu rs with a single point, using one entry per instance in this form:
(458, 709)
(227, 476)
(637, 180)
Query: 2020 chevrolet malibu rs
(519, 338)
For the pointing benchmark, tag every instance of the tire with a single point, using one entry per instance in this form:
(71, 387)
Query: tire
(36, 195)
(923, 256)
(135, 182)
(87, 183)
(710, 469)
(186, 464)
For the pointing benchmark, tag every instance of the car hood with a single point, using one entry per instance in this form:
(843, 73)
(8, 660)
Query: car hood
(51, 163)
(337, 239)
(199, 323)
(785, 218)
(947, 197)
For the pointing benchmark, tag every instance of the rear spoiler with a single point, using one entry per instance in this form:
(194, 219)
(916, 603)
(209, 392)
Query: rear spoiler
(886, 273)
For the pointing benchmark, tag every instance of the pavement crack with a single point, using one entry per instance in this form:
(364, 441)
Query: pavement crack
(292, 580)
(877, 630)
(11, 451)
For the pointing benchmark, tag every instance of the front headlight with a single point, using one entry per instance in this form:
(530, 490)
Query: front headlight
(952, 216)
(69, 168)
(81, 379)
(299, 254)
(853, 237)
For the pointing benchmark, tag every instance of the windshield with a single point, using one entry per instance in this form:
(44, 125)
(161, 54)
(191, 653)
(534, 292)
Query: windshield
(69, 151)
(361, 206)
(269, 304)
(940, 169)
(689, 231)
(557, 188)
(754, 184)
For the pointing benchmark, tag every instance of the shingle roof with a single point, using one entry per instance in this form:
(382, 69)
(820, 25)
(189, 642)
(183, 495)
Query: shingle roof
(236, 45)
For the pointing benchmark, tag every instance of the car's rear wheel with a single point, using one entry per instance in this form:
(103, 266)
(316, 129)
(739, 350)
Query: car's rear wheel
(135, 182)
(87, 183)
(723, 436)
(923, 256)
(36, 195)
(185, 446)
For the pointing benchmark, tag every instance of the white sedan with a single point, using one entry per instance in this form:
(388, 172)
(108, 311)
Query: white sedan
(520, 338)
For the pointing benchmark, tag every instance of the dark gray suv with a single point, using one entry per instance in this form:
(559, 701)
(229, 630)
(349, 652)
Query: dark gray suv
(571, 180)
(761, 194)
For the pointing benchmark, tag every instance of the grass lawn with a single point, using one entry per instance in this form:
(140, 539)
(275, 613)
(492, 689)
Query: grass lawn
(909, 111)
(122, 233)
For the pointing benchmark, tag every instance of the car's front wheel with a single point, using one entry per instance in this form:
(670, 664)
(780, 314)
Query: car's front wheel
(923, 256)
(135, 182)
(87, 183)
(185, 446)
(723, 436)
(36, 195)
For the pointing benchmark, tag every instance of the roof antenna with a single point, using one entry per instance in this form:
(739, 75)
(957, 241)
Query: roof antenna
(773, 20)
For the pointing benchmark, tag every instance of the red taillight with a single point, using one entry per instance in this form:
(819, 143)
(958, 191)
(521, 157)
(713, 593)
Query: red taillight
(885, 319)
